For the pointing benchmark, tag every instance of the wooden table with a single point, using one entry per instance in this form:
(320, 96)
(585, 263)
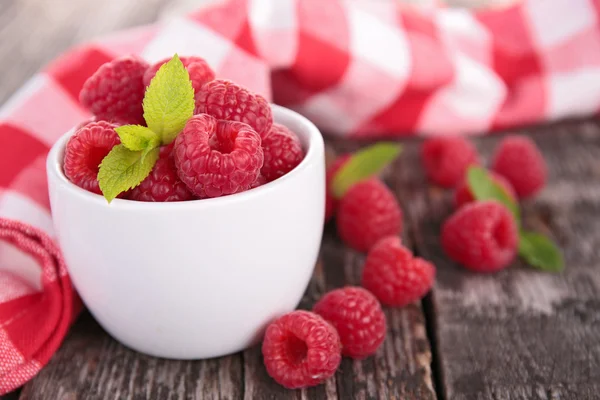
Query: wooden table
(518, 334)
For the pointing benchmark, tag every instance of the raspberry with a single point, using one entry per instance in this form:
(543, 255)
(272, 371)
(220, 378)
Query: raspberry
(162, 184)
(116, 90)
(198, 69)
(368, 212)
(226, 100)
(481, 236)
(282, 150)
(216, 158)
(357, 316)
(446, 159)
(518, 159)
(463, 195)
(393, 275)
(260, 180)
(331, 203)
(301, 349)
(85, 151)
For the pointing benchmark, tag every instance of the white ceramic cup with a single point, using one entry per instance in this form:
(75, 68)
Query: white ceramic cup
(195, 279)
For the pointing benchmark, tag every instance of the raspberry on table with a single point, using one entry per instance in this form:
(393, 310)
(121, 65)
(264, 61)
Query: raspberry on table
(358, 318)
(162, 184)
(368, 212)
(519, 160)
(198, 69)
(482, 236)
(446, 160)
(84, 152)
(229, 101)
(301, 349)
(394, 276)
(331, 203)
(217, 158)
(116, 90)
(282, 150)
(463, 195)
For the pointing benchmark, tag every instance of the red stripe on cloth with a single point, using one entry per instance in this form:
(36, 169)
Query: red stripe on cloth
(18, 149)
(322, 56)
(33, 183)
(517, 62)
(72, 69)
(230, 20)
(426, 77)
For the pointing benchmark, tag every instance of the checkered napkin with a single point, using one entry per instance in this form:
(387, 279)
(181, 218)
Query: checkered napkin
(356, 68)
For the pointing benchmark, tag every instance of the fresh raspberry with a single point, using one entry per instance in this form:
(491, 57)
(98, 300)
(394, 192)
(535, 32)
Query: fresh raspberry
(162, 184)
(331, 203)
(282, 150)
(357, 316)
(368, 212)
(481, 236)
(216, 158)
(260, 180)
(301, 349)
(226, 100)
(518, 159)
(394, 276)
(198, 69)
(463, 195)
(446, 159)
(85, 151)
(116, 90)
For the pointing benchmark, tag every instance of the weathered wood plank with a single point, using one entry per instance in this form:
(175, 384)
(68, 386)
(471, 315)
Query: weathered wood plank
(521, 333)
(91, 365)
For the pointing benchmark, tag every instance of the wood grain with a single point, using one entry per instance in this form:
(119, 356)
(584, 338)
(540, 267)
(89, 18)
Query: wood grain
(522, 333)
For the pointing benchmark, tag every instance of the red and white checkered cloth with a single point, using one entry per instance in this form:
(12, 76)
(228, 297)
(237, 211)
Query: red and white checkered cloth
(356, 68)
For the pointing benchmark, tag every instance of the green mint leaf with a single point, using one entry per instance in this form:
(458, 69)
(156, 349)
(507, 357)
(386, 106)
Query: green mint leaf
(540, 252)
(483, 187)
(169, 100)
(123, 169)
(137, 137)
(364, 164)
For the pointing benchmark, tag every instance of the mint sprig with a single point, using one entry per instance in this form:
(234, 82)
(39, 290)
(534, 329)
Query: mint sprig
(169, 100)
(168, 104)
(535, 248)
(364, 164)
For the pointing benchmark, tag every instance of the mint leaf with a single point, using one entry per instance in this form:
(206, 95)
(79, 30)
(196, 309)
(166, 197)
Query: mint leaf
(363, 164)
(540, 252)
(123, 169)
(137, 137)
(169, 100)
(483, 187)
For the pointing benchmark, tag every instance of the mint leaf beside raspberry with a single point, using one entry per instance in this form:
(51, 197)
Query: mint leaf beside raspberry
(484, 187)
(123, 169)
(169, 100)
(535, 248)
(540, 252)
(137, 137)
(364, 164)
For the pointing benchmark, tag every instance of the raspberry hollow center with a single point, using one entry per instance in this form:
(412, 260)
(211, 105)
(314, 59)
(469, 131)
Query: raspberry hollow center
(95, 157)
(295, 349)
(223, 140)
(502, 235)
